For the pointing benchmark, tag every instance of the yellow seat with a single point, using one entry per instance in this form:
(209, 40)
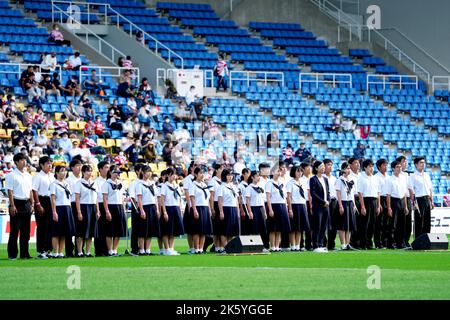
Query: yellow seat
(101, 143)
(73, 125)
(9, 132)
(58, 116)
(162, 166)
(118, 142)
(81, 125)
(3, 133)
(154, 167)
(110, 143)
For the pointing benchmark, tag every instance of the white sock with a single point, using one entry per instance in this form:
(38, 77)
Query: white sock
(110, 251)
(61, 254)
(115, 251)
(141, 251)
(88, 253)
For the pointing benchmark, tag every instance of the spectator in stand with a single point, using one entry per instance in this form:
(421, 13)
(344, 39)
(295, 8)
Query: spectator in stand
(127, 141)
(150, 153)
(35, 95)
(124, 89)
(221, 70)
(140, 37)
(41, 142)
(360, 151)
(168, 129)
(133, 151)
(39, 119)
(336, 124)
(303, 153)
(99, 127)
(72, 87)
(65, 143)
(57, 84)
(225, 159)
(25, 75)
(127, 62)
(57, 37)
(120, 62)
(37, 74)
(143, 115)
(49, 86)
(71, 113)
(114, 120)
(146, 90)
(288, 155)
(61, 126)
(49, 63)
(167, 153)
(94, 82)
(74, 62)
(193, 102)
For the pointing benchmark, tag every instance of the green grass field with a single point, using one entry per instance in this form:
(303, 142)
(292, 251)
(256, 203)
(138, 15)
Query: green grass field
(306, 275)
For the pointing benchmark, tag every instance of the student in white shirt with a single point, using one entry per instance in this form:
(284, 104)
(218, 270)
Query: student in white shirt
(75, 166)
(100, 239)
(421, 189)
(134, 211)
(246, 224)
(408, 218)
(88, 211)
(333, 209)
(187, 215)
(172, 223)
(255, 206)
(296, 202)
(228, 196)
(381, 220)
(147, 199)
(264, 172)
(354, 175)
(277, 217)
(201, 212)
(43, 209)
(114, 204)
(396, 190)
(345, 192)
(306, 238)
(62, 223)
(218, 224)
(369, 197)
(18, 184)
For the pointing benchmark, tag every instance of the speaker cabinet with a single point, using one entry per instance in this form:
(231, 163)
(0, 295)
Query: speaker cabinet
(431, 241)
(245, 244)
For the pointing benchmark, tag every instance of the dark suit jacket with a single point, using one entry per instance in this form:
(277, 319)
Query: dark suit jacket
(317, 192)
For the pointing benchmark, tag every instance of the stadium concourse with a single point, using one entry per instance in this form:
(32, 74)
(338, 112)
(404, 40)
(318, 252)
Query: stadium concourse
(308, 108)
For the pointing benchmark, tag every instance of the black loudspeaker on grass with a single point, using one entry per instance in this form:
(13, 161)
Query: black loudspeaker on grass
(431, 241)
(245, 244)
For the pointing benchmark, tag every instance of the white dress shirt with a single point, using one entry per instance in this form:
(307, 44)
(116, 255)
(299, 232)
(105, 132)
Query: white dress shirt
(114, 196)
(87, 196)
(406, 178)
(100, 181)
(420, 184)
(343, 188)
(41, 183)
(354, 177)
(20, 183)
(396, 187)
(229, 194)
(214, 185)
(275, 196)
(293, 187)
(145, 190)
(170, 200)
(262, 184)
(382, 180)
(72, 181)
(368, 186)
(256, 198)
(188, 181)
(331, 183)
(196, 191)
(305, 182)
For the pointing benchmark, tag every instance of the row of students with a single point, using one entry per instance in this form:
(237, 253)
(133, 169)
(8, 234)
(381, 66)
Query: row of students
(299, 211)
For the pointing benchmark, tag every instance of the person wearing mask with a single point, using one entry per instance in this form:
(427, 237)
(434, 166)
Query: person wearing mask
(49, 63)
(220, 71)
(57, 37)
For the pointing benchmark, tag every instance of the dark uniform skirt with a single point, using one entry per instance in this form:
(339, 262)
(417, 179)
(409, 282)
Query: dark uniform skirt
(65, 227)
(219, 226)
(86, 227)
(174, 226)
(231, 221)
(148, 227)
(347, 221)
(259, 221)
(280, 220)
(299, 213)
(187, 219)
(117, 227)
(203, 224)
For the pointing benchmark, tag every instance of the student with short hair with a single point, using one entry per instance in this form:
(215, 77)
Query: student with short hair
(75, 166)
(187, 216)
(381, 221)
(62, 223)
(134, 210)
(255, 206)
(244, 218)
(306, 237)
(218, 224)
(228, 199)
(88, 211)
(172, 223)
(333, 210)
(114, 204)
(43, 209)
(148, 222)
(19, 187)
(100, 239)
(201, 221)
(346, 221)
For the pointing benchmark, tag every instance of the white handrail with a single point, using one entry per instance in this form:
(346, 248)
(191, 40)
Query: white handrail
(163, 74)
(320, 78)
(386, 79)
(86, 71)
(23, 66)
(435, 82)
(119, 16)
(253, 76)
(114, 51)
(345, 20)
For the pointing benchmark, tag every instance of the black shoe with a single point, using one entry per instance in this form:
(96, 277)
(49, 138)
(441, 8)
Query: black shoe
(26, 257)
(89, 255)
(141, 254)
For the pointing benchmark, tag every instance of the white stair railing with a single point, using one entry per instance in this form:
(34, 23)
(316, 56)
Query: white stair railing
(110, 72)
(263, 77)
(73, 13)
(441, 83)
(332, 79)
(392, 80)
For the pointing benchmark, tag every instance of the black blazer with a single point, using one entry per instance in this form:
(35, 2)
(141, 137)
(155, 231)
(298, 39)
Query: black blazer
(317, 192)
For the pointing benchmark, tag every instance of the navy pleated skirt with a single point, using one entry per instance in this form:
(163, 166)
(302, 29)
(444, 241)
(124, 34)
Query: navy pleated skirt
(258, 225)
(187, 220)
(65, 227)
(219, 226)
(174, 226)
(298, 211)
(117, 227)
(203, 224)
(347, 221)
(231, 221)
(280, 220)
(86, 227)
(148, 227)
